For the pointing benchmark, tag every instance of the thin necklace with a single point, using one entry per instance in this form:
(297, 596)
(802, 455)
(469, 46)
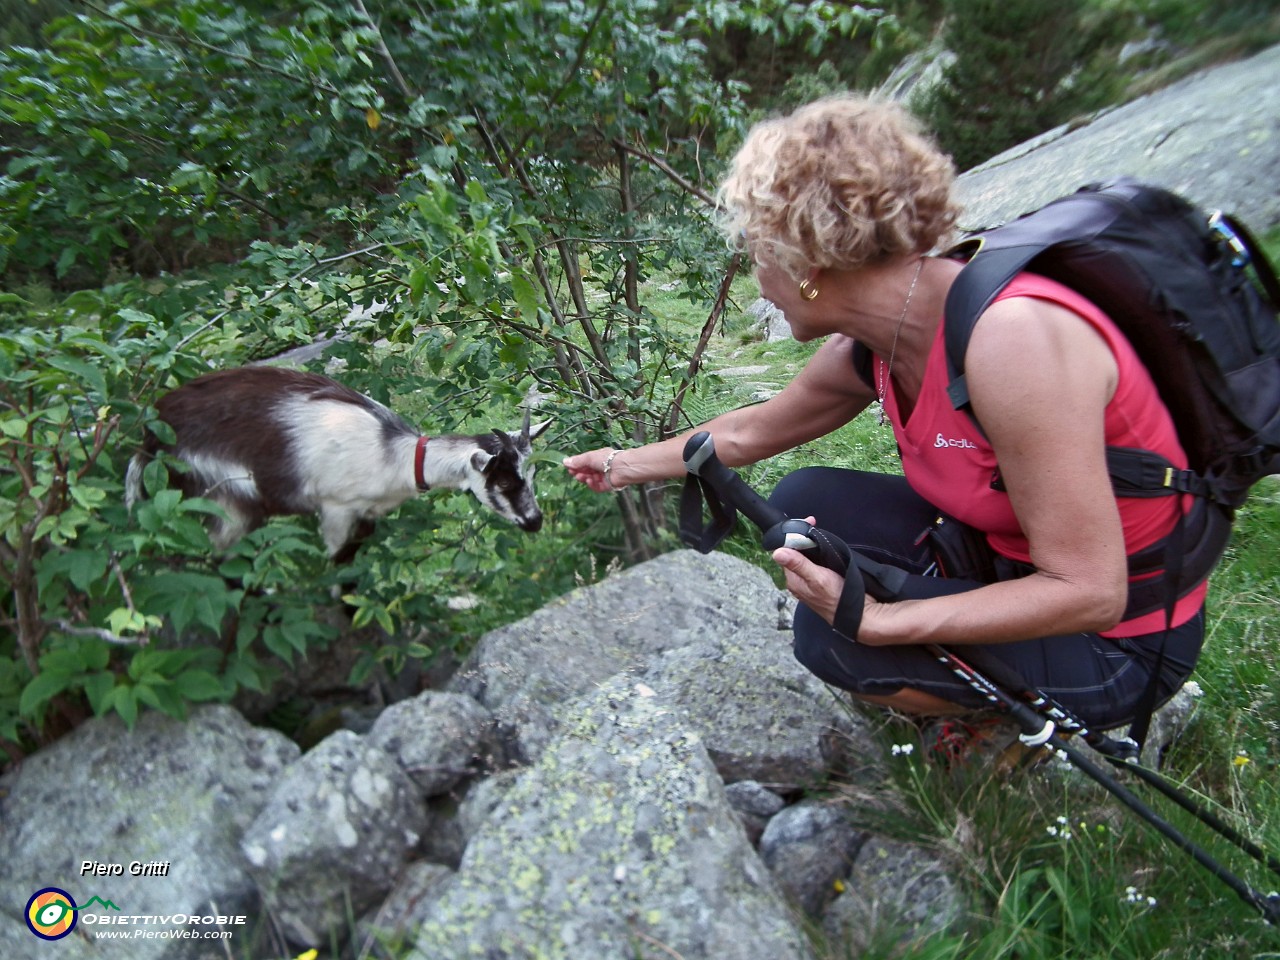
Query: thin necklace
(886, 372)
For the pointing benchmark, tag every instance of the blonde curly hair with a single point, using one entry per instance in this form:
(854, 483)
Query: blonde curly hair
(842, 182)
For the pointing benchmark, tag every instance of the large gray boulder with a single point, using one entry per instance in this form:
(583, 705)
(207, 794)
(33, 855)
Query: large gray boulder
(619, 841)
(762, 716)
(1213, 137)
(590, 634)
(711, 634)
(895, 888)
(523, 671)
(175, 793)
(334, 834)
(439, 739)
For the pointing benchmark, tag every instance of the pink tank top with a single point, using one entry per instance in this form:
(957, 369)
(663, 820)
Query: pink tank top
(947, 460)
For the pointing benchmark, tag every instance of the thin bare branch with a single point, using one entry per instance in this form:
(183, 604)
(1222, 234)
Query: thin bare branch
(396, 75)
(101, 634)
(124, 584)
(695, 361)
(669, 171)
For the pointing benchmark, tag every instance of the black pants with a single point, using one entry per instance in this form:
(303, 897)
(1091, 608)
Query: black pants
(1101, 679)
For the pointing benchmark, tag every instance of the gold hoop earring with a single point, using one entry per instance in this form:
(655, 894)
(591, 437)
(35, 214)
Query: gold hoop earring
(808, 290)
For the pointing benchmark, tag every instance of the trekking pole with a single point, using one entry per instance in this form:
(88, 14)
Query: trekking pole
(1036, 714)
(1123, 754)
(1042, 732)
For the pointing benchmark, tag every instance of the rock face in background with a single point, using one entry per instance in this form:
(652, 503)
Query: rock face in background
(1213, 137)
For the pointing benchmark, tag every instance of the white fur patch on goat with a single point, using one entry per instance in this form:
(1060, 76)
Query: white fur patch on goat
(342, 456)
(221, 478)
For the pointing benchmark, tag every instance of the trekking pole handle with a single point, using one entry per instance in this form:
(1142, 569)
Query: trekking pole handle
(777, 529)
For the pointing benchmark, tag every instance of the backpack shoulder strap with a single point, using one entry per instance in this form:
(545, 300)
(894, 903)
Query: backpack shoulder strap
(975, 288)
(997, 256)
(864, 364)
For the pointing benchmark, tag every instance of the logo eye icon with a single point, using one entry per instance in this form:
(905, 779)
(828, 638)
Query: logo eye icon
(51, 913)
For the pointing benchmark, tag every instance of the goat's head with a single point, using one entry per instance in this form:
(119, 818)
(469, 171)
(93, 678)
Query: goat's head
(503, 480)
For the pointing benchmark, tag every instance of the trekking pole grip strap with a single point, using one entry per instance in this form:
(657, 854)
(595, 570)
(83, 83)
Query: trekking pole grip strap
(717, 481)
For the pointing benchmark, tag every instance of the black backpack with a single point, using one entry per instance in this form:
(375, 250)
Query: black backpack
(1174, 281)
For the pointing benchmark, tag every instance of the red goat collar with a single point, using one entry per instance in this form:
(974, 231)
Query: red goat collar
(419, 455)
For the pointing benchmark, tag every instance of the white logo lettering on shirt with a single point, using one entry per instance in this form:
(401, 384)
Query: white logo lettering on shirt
(961, 443)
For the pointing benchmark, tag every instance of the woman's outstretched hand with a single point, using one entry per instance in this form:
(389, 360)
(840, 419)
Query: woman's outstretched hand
(588, 468)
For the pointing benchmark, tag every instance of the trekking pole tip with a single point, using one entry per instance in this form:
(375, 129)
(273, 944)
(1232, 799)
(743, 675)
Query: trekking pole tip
(1270, 906)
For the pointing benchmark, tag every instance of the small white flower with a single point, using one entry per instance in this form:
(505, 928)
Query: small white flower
(903, 749)
(1133, 895)
(1059, 829)
(1193, 688)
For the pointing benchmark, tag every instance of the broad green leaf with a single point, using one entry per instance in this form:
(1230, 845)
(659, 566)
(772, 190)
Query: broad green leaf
(86, 567)
(14, 427)
(41, 689)
(526, 296)
(86, 373)
(198, 685)
(96, 688)
(125, 701)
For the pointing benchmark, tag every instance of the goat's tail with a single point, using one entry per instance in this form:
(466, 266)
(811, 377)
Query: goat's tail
(133, 490)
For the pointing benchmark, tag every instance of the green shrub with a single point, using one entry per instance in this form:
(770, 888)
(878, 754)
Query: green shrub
(112, 612)
(1021, 67)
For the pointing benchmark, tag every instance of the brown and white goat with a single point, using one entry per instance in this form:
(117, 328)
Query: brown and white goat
(266, 441)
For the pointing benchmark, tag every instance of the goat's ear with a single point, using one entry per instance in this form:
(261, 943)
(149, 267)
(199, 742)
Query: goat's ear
(482, 462)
